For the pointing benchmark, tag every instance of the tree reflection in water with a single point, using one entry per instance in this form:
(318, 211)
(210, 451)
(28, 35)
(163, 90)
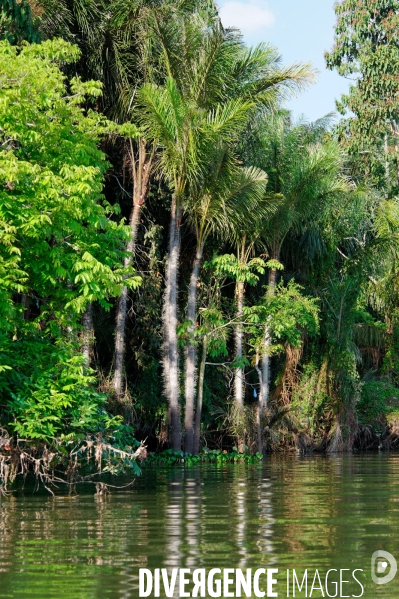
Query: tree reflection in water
(290, 512)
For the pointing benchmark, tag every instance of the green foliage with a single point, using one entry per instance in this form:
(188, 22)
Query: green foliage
(17, 24)
(367, 46)
(305, 177)
(59, 248)
(53, 394)
(243, 179)
(341, 299)
(289, 315)
(378, 404)
(215, 326)
(230, 266)
(310, 400)
(51, 175)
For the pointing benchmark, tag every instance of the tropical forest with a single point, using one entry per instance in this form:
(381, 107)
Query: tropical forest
(188, 272)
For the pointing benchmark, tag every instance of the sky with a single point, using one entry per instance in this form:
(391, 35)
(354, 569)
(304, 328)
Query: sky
(302, 30)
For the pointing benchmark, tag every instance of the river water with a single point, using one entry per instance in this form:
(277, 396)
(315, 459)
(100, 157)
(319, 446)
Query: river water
(287, 513)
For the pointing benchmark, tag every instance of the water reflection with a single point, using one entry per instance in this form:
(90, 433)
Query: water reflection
(193, 519)
(265, 521)
(287, 513)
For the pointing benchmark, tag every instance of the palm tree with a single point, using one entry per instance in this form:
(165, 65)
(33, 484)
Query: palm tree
(139, 23)
(127, 44)
(305, 172)
(117, 48)
(186, 134)
(232, 194)
(213, 85)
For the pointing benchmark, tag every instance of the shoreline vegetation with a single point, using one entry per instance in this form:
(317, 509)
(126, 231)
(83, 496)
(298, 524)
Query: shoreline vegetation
(187, 274)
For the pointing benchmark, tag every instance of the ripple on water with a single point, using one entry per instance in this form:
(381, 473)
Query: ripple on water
(289, 512)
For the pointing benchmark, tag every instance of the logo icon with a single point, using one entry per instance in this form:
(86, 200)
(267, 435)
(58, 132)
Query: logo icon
(380, 560)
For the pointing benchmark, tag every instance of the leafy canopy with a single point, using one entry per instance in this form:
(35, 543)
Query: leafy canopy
(366, 49)
(59, 248)
(57, 241)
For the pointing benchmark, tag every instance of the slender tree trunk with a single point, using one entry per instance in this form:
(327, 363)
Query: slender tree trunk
(141, 170)
(264, 371)
(260, 405)
(239, 373)
(88, 333)
(190, 374)
(198, 412)
(122, 307)
(239, 376)
(265, 382)
(25, 302)
(386, 153)
(171, 358)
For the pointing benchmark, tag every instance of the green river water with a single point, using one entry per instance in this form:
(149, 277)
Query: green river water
(289, 512)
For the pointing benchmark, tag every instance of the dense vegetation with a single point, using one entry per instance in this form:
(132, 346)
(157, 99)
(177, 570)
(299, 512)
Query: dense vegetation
(180, 262)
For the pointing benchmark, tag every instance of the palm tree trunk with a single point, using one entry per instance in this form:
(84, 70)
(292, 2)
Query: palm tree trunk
(265, 382)
(239, 373)
(191, 355)
(239, 377)
(260, 405)
(88, 333)
(198, 412)
(171, 358)
(122, 306)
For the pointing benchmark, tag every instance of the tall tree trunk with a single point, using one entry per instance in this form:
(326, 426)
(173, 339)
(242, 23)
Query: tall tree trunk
(88, 333)
(265, 383)
(265, 379)
(120, 332)
(171, 358)
(239, 373)
(239, 376)
(141, 170)
(264, 371)
(190, 374)
(198, 412)
(260, 405)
